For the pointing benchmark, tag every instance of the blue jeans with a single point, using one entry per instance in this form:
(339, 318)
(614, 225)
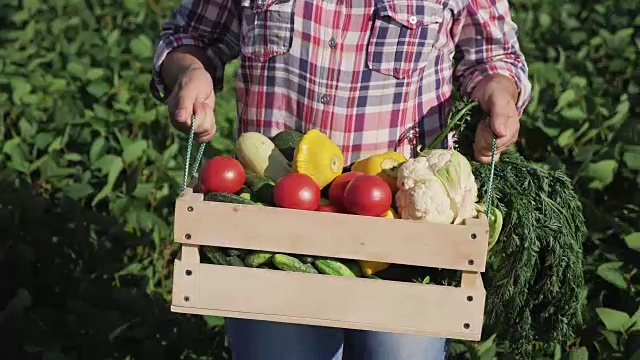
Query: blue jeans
(266, 340)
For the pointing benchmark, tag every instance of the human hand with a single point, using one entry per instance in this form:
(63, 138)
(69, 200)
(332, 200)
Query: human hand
(193, 95)
(497, 95)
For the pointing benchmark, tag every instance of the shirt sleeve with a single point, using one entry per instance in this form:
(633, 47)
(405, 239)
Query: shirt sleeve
(488, 44)
(213, 25)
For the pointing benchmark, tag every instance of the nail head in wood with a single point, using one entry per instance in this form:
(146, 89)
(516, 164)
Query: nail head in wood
(471, 262)
(469, 298)
(474, 236)
(186, 299)
(188, 272)
(189, 208)
(466, 325)
(187, 236)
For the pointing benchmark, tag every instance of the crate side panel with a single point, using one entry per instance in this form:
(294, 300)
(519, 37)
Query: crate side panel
(462, 247)
(332, 301)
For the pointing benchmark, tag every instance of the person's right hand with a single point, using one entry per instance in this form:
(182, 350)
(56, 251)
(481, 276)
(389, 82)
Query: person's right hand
(193, 95)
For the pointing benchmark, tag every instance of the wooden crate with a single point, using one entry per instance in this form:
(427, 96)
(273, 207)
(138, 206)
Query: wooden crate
(356, 303)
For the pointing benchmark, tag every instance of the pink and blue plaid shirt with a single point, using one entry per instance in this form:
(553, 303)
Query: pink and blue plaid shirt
(374, 75)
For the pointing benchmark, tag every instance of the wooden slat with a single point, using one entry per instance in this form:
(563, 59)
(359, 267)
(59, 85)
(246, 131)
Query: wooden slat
(462, 247)
(329, 300)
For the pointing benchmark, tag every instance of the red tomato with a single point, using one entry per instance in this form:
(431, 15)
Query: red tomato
(222, 174)
(297, 191)
(337, 187)
(368, 195)
(328, 208)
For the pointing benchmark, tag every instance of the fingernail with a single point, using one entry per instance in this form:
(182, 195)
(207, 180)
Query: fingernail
(181, 115)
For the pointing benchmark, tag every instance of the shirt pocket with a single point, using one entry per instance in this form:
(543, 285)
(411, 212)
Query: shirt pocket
(403, 36)
(267, 28)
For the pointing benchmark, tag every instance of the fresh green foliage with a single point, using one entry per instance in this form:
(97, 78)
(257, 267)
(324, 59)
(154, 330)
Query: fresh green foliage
(91, 167)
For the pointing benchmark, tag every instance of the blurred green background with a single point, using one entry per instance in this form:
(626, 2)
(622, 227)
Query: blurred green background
(90, 168)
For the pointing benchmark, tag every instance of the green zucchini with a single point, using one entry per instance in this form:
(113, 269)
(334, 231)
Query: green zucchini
(287, 141)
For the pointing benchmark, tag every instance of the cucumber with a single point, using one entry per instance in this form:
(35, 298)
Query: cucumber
(354, 267)
(289, 263)
(306, 259)
(237, 252)
(234, 261)
(228, 198)
(333, 267)
(287, 141)
(215, 254)
(261, 188)
(257, 258)
(310, 268)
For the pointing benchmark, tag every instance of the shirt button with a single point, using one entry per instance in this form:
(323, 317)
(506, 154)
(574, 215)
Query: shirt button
(324, 99)
(413, 20)
(332, 42)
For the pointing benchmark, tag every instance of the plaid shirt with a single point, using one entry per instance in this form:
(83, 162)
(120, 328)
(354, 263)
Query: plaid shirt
(374, 75)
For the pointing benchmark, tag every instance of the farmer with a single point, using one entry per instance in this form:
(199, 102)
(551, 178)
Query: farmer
(374, 75)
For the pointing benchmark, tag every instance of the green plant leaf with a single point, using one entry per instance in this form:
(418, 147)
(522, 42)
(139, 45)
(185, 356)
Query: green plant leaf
(633, 241)
(614, 320)
(601, 173)
(579, 354)
(213, 321)
(611, 272)
(142, 46)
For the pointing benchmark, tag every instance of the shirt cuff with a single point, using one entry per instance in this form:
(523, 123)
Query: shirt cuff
(167, 44)
(517, 72)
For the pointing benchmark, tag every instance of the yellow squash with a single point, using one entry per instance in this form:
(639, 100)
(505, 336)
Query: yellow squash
(318, 157)
(377, 164)
(371, 267)
(390, 214)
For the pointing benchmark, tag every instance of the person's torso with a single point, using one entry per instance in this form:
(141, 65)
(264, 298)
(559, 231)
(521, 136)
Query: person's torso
(374, 75)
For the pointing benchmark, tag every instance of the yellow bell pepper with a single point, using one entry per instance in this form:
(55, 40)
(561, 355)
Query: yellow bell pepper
(371, 267)
(318, 157)
(376, 164)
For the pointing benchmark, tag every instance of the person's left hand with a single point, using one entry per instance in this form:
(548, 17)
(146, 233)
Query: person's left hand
(497, 95)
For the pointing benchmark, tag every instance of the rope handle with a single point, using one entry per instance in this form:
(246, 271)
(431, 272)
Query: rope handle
(489, 194)
(198, 157)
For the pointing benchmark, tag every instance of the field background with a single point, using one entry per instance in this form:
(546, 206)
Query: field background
(90, 167)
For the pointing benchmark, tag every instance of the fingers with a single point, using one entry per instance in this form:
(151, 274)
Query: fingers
(205, 122)
(483, 145)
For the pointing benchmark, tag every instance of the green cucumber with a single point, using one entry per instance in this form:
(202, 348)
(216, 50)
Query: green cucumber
(215, 254)
(228, 198)
(237, 252)
(234, 261)
(289, 263)
(261, 188)
(354, 267)
(333, 267)
(306, 259)
(257, 258)
(287, 141)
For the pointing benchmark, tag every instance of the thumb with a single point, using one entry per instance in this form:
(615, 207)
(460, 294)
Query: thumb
(499, 124)
(183, 107)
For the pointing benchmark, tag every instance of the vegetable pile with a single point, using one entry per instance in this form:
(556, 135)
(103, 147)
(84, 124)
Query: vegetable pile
(536, 223)
(306, 172)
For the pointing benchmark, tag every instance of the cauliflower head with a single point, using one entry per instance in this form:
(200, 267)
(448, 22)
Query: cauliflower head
(439, 177)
